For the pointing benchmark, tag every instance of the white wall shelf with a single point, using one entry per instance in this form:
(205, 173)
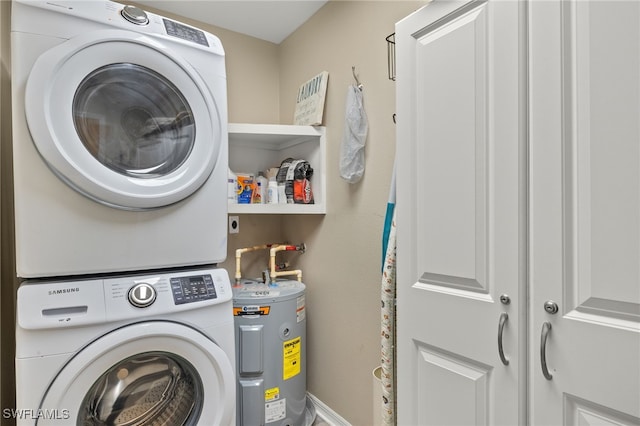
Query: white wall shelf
(257, 147)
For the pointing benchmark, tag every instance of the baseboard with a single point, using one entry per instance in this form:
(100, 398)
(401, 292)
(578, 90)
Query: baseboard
(326, 414)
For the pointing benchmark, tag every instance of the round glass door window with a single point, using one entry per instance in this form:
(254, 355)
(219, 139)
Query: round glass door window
(150, 389)
(133, 120)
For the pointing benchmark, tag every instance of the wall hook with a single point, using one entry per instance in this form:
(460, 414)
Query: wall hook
(355, 77)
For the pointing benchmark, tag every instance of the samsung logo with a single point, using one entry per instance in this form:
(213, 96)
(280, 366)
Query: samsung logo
(64, 291)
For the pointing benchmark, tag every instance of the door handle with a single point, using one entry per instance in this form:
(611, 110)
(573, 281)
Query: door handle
(546, 329)
(503, 320)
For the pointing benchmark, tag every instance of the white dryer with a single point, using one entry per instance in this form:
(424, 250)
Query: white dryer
(131, 350)
(119, 140)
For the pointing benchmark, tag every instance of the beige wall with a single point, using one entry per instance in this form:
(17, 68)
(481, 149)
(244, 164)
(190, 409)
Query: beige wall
(342, 267)
(342, 264)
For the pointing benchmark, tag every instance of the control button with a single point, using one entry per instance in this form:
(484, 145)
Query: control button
(135, 15)
(142, 295)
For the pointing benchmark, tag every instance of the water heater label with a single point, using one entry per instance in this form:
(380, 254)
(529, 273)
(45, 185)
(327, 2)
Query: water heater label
(272, 394)
(274, 411)
(239, 311)
(291, 355)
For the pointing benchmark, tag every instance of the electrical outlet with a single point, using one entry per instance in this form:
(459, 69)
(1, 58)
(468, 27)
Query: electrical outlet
(234, 225)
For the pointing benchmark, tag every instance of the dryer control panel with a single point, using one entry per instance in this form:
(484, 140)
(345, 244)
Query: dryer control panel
(69, 18)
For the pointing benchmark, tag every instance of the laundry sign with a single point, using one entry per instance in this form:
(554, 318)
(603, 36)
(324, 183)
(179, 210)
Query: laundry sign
(310, 101)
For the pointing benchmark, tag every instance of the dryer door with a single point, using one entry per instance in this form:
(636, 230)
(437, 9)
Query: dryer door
(123, 119)
(152, 373)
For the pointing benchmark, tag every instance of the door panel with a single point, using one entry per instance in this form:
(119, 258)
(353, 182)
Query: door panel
(585, 413)
(465, 398)
(459, 214)
(602, 219)
(452, 232)
(585, 210)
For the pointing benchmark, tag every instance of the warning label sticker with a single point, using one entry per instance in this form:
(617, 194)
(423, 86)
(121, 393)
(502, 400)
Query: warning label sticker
(271, 394)
(274, 411)
(291, 354)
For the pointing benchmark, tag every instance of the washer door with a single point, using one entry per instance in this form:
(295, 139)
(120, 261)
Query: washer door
(152, 373)
(123, 120)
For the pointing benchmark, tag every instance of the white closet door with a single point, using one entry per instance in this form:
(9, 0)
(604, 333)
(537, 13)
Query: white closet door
(585, 211)
(460, 214)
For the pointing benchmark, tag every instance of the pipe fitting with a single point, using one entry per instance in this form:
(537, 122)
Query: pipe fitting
(272, 261)
(240, 252)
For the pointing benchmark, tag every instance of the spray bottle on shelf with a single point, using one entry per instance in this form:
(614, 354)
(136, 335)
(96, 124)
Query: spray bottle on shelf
(261, 189)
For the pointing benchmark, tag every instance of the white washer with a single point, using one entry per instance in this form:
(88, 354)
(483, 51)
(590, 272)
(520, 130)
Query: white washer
(119, 140)
(153, 349)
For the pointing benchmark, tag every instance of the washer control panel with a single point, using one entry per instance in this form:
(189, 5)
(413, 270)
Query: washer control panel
(70, 303)
(192, 288)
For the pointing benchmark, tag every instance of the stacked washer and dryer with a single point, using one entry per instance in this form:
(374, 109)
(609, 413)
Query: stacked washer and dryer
(120, 167)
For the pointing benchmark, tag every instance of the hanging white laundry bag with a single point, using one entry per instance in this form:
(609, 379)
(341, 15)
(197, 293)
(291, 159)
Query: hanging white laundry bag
(355, 134)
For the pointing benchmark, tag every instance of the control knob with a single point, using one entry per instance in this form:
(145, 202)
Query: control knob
(135, 15)
(142, 295)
